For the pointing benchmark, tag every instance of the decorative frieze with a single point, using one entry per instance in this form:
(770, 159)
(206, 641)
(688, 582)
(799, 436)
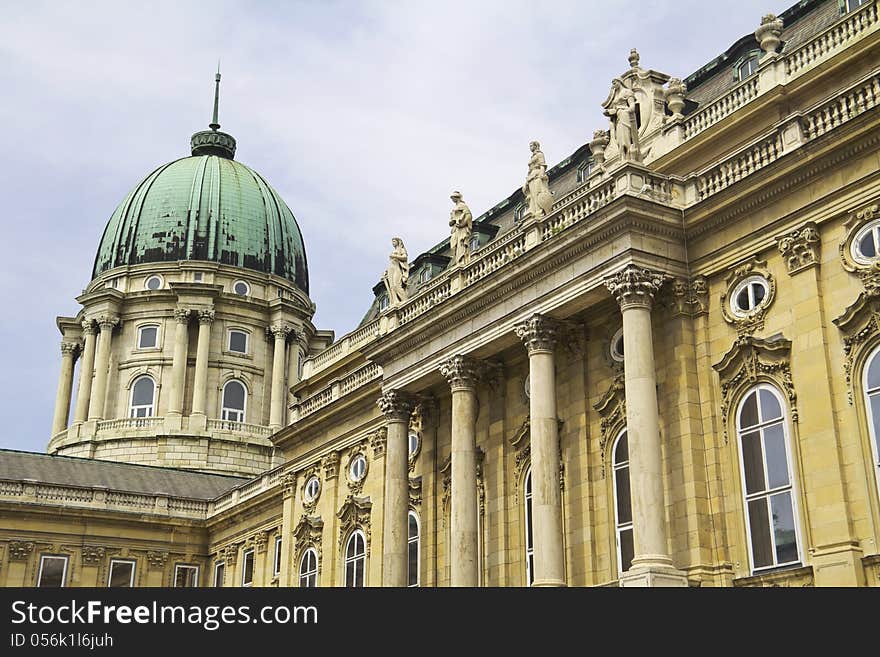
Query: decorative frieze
(462, 372)
(538, 333)
(749, 361)
(396, 405)
(800, 247)
(690, 296)
(20, 550)
(635, 286)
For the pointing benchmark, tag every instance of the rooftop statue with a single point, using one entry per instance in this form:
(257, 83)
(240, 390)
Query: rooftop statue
(621, 109)
(397, 274)
(539, 198)
(462, 222)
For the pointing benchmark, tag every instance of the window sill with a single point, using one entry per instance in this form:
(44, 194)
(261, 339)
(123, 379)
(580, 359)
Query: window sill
(794, 575)
(237, 354)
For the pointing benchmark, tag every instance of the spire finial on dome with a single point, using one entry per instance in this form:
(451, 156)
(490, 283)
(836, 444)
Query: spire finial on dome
(214, 125)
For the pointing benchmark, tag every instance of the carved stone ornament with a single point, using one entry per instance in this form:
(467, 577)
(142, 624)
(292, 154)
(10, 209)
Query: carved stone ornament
(635, 286)
(597, 147)
(748, 323)
(538, 333)
(181, 315)
(354, 514)
(800, 247)
(866, 269)
(612, 409)
(769, 32)
(20, 550)
(288, 484)
(206, 316)
(461, 222)
(157, 558)
(230, 554)
(750, 361)
(690, 297)
(860, 325)
(462, 372)
(674, 93)
(279, 331)
(396, 276)
(330, 463)
(396, 405)
(378, 440)
(89, 327)
(521, 443)
(308, 534)
(69, 348)
(536, 190)
(260, 541)
(310, 504)
(93, 555)
(415, 491)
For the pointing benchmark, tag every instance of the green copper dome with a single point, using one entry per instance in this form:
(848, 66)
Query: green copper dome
(205, 207)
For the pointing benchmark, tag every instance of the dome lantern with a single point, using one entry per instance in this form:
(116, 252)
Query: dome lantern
(214, 142)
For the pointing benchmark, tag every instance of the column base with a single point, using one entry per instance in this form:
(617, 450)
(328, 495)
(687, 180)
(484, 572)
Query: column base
(557, 583)
(653, 571)
(198, 422)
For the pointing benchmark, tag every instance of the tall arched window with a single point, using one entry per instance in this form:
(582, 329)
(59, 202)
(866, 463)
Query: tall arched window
(530, 545)
(622, 503)
(872, 402)
(771, 507)
(143, 397)
(355, 559)
(308, 569)
(234, 401)
(412, 549)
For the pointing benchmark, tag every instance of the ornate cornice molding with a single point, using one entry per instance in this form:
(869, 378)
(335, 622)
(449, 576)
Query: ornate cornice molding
(462, 372)
(612, 409)
(860, 325)
(749, 361)
(635, 286)
(538, 333)
(396, 405)
(800, 247)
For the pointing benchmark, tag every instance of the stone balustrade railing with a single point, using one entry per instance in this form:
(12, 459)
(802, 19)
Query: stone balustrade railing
(130, 423)
(239, 427)
(268, 481)
(850, 104)
(718, 109)
(337, 389)
(754, 157)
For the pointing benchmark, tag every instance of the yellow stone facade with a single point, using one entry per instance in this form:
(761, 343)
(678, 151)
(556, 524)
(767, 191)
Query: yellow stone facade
(509, 365)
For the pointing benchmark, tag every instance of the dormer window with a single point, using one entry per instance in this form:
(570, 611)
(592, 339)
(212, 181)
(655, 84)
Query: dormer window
(475, 243)
(383, 302)
(583, 171)
(748, 67)
(519, 212)
(852, 5)
(425, 275)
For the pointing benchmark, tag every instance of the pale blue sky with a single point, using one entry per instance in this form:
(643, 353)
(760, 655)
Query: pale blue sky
(363, 115)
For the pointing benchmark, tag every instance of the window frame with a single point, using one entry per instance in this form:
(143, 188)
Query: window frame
(425, 275)
(150, 408)
(620, 528)
(45, 557)
(767, 493)
(357, 458)
(276, 561)
(140, 330)
(848, 5)
(873, 437)
(872, 227)
(529, 527)
(189, 567)
(584, 169)
(129, 562)
(305, 575)
(226, 411)
(417, 539)
(249, 553)
(474, 244)
(384, 302)
(150, 277)
(247, 341)
(616, 355)
(746, 62)
(308, 497)
(247, 286)
(746, 283)
(217, 566)
(346, 560)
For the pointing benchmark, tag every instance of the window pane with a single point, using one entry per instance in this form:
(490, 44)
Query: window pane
(121, 574)
(777, 463)
(359, 572)
(874, 373)
(413, 526)
(759, 292)
(621, 452)
(624, 506)
(748, 416)
(52, 572)
(753, 463)
(238, 341)
(185, 577)
(413, 563)
(233, 395)
(249, 568)
(143, 392)
(742, 299)
(626, 549)
(875, 416)
(770, 408)
(783, 528)
(759, 524)
(219, 572)
(148, 337)
(866, 246)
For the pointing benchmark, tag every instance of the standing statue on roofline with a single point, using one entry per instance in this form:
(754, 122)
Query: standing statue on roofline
(397, 274)
(539, 198)
(462, 222)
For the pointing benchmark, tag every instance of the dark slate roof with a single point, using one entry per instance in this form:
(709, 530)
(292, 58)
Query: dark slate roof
(147, 479)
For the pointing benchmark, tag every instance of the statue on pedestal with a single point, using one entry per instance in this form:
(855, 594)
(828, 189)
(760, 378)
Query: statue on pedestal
(462, 222)
(539, 198)
(621, 109)
(397, 274)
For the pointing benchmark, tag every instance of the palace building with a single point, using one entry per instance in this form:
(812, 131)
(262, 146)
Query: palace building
(656, 363)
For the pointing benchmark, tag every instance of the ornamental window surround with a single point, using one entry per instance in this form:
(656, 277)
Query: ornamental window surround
(412, 549)
(413, 442)
(308, 569)
(312, 489)
(148, 336)
(767, 480)
(355, 559)
(616, 346)
(871, 386)
(623, 520)
(749, 295)
(234, 401)
(143, 397)
(358, 467)
(186, 576)
(865, 246)
(121, 573)
(529, 540)
(53, 571)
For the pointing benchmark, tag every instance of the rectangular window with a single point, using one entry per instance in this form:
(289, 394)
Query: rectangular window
(238, 342)
(219, 572)
(197, 276)
(53, 572)
(247, 568)
(148, 337)
(186, 576)
(121, 574)
(277, 569)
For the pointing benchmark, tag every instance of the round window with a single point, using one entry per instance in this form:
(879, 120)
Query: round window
(153, 282)
(413, 443)
(241, 288)
(866, 244)
(358, 467)
(616, 346)
(313, 487)
(749, 295)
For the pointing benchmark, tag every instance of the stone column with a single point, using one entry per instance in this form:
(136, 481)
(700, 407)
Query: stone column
(538, 333)
(397, 407)
(463, 374)
(178, 365)
(279, 394)
(69, 351)
(634, 288)
(288, 492)
(203, 348)
(106, 323)
(86, 371)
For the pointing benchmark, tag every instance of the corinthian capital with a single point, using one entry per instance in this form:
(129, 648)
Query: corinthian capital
(279, 331)
(206, 316)
(538, 333)
(89, 327)
(396, 405)
(69, 348)
(181, 315)
(107, 322)
(635, 286)
(462, 372)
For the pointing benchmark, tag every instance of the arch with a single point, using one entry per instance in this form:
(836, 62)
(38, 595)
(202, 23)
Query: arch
(142, 401)
(355, 559)
(623, 517)
(770, 503)
(413, 548)
(233, 401)
(308, 568)
(528, 534)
